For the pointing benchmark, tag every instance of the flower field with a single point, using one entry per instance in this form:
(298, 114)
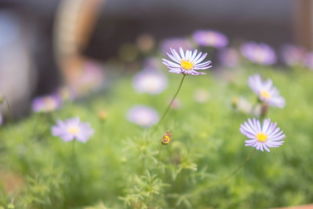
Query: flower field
(195, 158)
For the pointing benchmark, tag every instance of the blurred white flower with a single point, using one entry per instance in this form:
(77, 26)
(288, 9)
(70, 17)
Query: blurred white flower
(143, 116)
(149, 81)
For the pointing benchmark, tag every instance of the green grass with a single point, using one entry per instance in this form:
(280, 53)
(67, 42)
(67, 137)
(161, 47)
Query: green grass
(125, 166)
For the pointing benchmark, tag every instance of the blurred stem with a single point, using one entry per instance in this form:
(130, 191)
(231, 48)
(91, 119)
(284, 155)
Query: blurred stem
(10, 111)
(223, 180)
(264, 110)
(74, 151)
(173, 99)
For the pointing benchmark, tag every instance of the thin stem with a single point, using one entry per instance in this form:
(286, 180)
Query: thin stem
(173, 99)
(74, 151)
(264, 110)
(10, 112)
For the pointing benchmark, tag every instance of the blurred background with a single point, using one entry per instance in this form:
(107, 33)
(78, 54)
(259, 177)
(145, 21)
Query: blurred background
(45, 43)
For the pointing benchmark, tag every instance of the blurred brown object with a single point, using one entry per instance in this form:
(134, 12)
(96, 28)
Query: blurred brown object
(74, 23)
(11, 182)
(303, 19)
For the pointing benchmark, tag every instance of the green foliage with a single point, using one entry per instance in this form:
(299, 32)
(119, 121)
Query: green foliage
(125, 166)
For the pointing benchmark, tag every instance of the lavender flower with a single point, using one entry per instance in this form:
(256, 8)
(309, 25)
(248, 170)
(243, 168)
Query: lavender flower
(187, 63)
(293, 55)
(47, 103)
(90, 78)
(71, 129)
(262, 136)
(150, 81)
(210, 38)
(229, 57)
(266, 92)
(143, 116)
(258, 53)
(175, 43)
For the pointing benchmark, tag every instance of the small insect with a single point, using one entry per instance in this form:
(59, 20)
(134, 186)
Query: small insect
(166, 139)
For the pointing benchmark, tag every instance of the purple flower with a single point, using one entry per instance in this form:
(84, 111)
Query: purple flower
(150, 81)
(47, 103)
(175, 43)
(143, 116)
(293, 55)
(71, 129)
(309, 60)
(262, 136)
(1, 119)
(266, 92)
(229, 57)
(210, 38)
(258, 53)
(90, 78)
(187, 63)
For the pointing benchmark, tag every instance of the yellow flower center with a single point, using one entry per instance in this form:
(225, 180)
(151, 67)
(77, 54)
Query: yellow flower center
(265, 94)
(186, 65)
(261, 137)
(73, 130)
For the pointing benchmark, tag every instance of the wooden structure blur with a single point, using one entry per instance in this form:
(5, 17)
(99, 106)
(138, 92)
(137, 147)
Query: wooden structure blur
(303, 11)
(74, 23)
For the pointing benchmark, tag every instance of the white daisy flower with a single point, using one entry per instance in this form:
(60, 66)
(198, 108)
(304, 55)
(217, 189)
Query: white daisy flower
(187, 62)
(266, 91)
(262, 137)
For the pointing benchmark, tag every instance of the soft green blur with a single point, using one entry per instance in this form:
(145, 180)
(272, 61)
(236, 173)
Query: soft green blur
(125, 166)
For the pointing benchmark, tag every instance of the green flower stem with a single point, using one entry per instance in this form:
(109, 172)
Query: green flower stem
(173, 99)
(264, 110)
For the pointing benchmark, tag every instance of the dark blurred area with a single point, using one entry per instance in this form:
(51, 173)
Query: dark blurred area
(29, 61)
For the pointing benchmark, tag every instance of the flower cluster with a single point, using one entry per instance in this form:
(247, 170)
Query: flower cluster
(263, 135)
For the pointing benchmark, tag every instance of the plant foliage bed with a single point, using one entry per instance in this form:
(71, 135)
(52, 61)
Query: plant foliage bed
(205, 165)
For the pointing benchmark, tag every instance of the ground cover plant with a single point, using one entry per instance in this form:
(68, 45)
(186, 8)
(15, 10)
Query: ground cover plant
(109, 150)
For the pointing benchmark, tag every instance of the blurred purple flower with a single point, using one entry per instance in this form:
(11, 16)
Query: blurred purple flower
(258, 53)
(210, 38)
(149, 81)
(293, 55)
(47, 103)
(175, 43)
(266, 91)
(229, 57)
(262, 136)
(188, 62)
(1, 119)
(142, 116)
(90, 78)
(308, 62)
(71, 129)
